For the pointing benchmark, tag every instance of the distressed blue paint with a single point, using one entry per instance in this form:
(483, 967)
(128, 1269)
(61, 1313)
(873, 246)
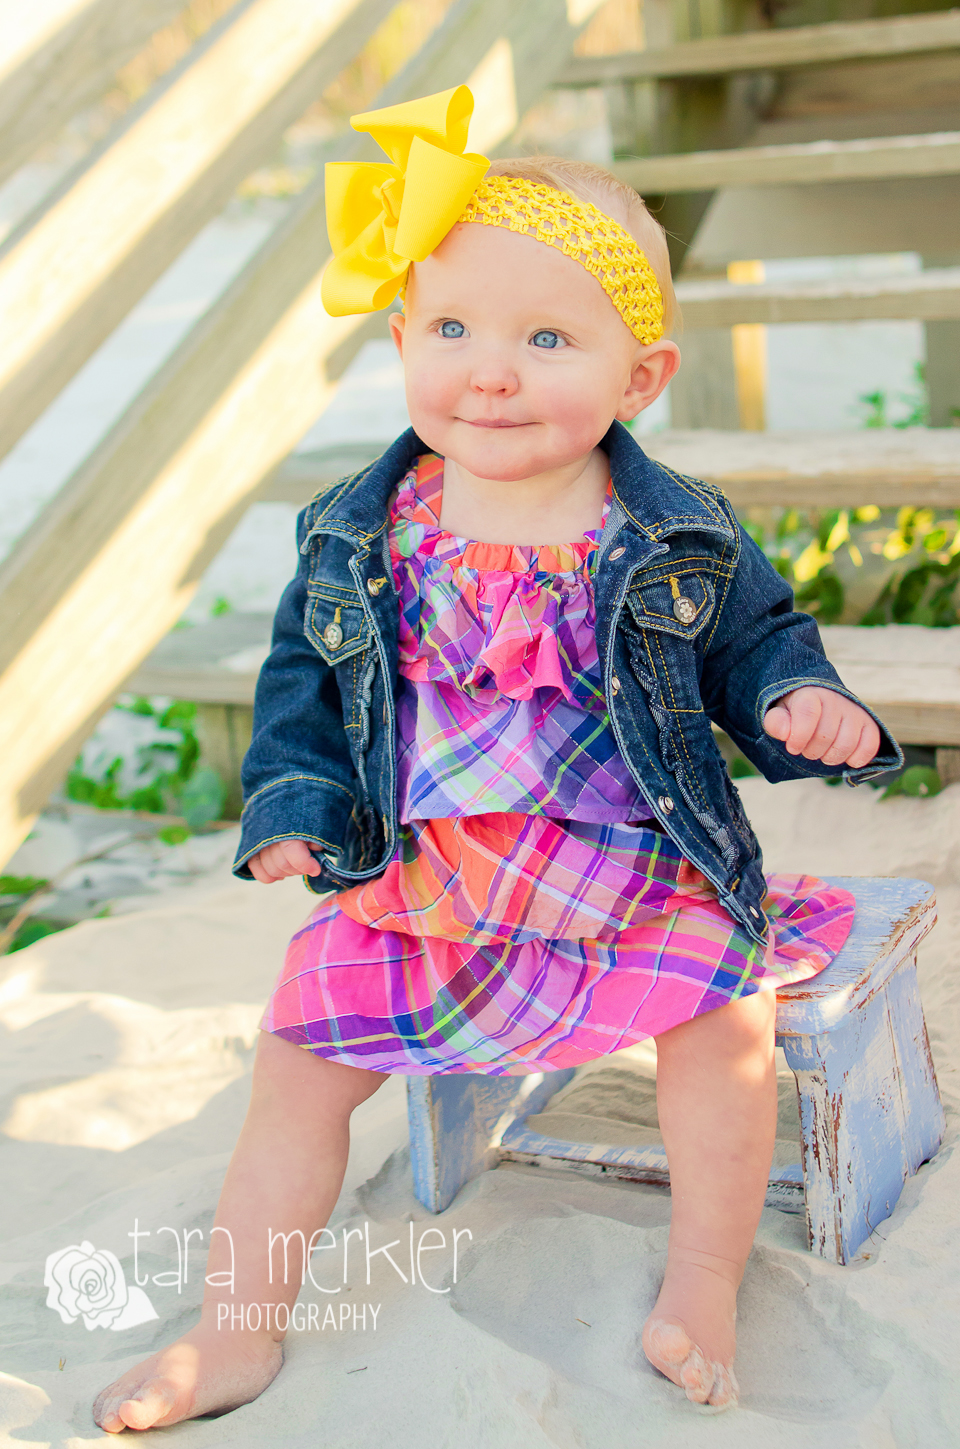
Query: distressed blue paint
(892, 917)
(453, 1118)
(870, 1110)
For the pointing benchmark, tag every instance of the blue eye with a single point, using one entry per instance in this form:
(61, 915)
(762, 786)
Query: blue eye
(452, 329)
(546, 339)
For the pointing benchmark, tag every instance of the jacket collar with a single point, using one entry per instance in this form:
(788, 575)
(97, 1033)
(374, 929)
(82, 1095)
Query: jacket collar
(647, 495)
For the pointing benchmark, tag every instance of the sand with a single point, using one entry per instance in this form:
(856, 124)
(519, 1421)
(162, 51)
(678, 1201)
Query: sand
(127, 1048)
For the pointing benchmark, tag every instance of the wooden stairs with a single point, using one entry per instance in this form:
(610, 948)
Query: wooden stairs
(823, 118)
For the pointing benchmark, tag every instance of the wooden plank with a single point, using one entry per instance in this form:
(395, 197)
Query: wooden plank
(212, 663)
(110, 565)
(927, 296)
(935, 154)
(72, 271)
(885, 466)
(910, 675)
(772, 49)
(58, 56)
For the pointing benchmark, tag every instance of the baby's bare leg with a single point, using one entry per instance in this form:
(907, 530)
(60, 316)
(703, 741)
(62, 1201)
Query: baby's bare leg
(717, 1101)
(285, 1173)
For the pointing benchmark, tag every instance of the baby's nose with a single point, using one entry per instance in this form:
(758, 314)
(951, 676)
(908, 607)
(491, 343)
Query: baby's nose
(492, 378)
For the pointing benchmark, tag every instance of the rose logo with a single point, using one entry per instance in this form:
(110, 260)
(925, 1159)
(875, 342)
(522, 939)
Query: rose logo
(84, 1283)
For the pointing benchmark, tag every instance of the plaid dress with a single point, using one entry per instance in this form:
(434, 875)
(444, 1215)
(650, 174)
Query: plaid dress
(534, 915)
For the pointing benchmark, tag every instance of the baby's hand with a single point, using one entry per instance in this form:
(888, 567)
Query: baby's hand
(821, 724)
(286, 857)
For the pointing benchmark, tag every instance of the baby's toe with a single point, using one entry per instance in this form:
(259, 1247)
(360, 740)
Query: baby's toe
(105, 1411)
(725, 1392)
(150, 1405)
(666, 1345)
(696, 1376)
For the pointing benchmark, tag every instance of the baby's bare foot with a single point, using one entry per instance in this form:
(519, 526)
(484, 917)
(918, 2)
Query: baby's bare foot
(690, 1335)
(204, 1372)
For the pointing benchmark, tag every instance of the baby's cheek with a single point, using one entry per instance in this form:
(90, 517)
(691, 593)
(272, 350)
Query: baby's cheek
(433, 391)
(577, 407)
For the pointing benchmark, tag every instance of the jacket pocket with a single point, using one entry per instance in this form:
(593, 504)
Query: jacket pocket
(336, 624)
(676, 601)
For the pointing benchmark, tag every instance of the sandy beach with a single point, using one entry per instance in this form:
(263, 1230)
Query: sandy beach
(125, 1071)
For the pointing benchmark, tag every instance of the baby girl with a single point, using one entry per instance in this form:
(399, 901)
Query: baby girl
(483, 736)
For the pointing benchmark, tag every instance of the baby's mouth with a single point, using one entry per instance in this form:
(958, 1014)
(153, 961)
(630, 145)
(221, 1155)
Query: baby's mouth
(492, 423)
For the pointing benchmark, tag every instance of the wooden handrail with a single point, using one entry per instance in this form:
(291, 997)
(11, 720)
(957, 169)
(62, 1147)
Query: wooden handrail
(58, 58)
(111, 563)
(73, 270)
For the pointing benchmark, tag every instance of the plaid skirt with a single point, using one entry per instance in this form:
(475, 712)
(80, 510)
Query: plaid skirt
(506, 944)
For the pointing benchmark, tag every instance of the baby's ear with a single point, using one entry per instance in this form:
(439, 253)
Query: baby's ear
(396, 322)
(654, 366)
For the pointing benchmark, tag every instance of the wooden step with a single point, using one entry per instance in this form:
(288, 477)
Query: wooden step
(212, 663)
(926, 296)
(933, 154)
(891, 468)
(888, 467)
(801, 45)
(910, 675)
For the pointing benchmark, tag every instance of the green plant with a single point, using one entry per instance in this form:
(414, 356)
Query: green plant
(806, 548)
(918, 781)
(21, 885)
(174, 782)
(917, 403)
(875, 404)
(34, 930)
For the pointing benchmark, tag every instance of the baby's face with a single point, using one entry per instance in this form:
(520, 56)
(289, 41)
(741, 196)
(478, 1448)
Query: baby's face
(516, 361)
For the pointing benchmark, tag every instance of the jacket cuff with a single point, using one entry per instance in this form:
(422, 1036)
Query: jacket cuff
(888, 757)
(295, 807)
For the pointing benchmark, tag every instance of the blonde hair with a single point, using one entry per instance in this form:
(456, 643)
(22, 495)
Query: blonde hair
(613, 197)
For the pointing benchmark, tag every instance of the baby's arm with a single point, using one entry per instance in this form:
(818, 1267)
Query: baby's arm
(767, 682)
(823, 725)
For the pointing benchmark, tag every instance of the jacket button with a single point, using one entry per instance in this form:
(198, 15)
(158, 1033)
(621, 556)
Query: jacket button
(685, 609)
(617, 553)
(754, 912)
(333, 636)
(374, 586)
(614, 685)
(665, 803)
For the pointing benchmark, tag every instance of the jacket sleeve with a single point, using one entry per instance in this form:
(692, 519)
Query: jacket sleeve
(761, 649)
(298, 778)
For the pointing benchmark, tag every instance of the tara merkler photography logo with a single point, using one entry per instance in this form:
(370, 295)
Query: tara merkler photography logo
(88, 1283)
(84, 1282)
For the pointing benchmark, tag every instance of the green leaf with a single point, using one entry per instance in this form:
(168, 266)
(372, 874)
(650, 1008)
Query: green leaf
(181, 712)
(21, 885)
(173, 834)
(202, 798)
(33, 930)
(920, 780)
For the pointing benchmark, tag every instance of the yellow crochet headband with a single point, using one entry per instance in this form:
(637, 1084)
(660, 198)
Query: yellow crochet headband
(383, 217)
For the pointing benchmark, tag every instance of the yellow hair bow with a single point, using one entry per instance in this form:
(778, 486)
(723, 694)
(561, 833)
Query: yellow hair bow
(380, 218)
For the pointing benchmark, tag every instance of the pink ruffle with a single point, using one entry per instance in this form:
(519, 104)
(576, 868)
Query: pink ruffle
(491, 619)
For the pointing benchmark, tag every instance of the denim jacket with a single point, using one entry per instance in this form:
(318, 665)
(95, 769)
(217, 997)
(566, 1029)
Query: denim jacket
(693, 625)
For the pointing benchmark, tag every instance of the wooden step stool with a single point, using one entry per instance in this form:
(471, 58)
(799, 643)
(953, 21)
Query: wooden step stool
(855, 1038)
